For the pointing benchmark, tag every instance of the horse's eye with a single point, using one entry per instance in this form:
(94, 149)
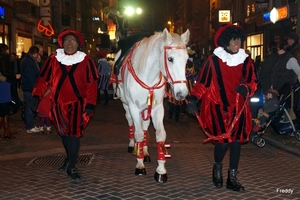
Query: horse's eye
(170, 59)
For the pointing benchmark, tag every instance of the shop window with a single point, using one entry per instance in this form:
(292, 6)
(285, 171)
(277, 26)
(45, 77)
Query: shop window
(255, 45)
(4, 34)
(23, 45)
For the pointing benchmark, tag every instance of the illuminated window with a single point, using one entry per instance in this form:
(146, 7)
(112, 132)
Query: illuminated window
(255, 45)
(248, 10)
(253, 8)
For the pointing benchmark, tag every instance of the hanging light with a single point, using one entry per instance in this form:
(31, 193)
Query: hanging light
(274, 15)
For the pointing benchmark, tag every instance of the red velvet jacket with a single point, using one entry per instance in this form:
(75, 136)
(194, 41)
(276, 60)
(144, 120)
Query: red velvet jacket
(219, 100)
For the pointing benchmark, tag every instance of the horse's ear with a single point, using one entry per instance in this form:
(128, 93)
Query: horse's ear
(186, 36)
(167, 36)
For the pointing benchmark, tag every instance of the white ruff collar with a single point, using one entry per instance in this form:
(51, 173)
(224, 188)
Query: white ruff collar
(69, 59)
(231, 59)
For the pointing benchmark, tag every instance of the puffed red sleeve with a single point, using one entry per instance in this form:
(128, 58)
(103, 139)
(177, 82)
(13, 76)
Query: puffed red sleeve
(92, 82)
(41, 84)
(204, 79)
(250, 78)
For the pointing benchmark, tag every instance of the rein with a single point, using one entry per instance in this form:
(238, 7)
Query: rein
(226, 135)
(161, 82)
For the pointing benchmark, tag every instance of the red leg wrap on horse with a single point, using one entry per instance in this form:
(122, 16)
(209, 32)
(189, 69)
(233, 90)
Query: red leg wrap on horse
(160, 151)
(145, 137)
(130, 132)
(140, 153)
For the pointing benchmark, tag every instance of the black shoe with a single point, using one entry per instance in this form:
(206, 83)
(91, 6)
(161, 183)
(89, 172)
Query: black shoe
(217, 175)
(73, 174)
(65, 166)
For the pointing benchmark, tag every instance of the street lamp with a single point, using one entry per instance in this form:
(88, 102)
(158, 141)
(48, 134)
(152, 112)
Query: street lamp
(129, 11)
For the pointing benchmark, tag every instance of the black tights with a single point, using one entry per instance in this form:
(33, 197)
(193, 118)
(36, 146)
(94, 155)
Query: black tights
(235, 151)
(71, 145)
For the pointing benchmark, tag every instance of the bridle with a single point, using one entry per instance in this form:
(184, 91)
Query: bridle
(166, 64)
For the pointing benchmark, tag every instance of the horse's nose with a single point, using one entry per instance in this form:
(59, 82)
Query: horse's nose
(180, 95)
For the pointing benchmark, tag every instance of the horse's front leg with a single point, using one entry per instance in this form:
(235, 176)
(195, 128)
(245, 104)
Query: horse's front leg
(146, 124)
(139, 140)
(157, 117)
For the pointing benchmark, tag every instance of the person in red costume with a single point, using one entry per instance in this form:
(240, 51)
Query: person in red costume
(72, 77)
(226, 80)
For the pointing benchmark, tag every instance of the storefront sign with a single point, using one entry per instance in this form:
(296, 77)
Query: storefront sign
(262, 5)
(224, 15)
(2, 12)
(44, 24)
(96, 19)
(276, 14)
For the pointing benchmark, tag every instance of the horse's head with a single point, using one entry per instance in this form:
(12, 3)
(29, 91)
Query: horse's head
(175, 58)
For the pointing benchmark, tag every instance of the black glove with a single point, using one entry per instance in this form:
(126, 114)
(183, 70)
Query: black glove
(191, 105)
(89, 109)
(34, 103)
(241, 89)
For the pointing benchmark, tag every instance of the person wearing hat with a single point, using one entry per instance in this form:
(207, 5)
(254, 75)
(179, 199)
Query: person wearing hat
(71, 76)
(226, 80)
(271, 104)
(104, 71)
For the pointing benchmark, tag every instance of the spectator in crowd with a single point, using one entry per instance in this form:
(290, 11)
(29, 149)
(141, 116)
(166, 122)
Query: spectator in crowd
(7, 78)
(104, 71)
(72, 77)
(271, 105)
(43, 110)
(286, 71)
(294, 49)
(267, 65)
(29, 68)
(43, 55)
(15, 64)
(293, 46)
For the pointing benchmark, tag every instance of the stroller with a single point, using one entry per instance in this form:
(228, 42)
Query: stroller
(280, 120)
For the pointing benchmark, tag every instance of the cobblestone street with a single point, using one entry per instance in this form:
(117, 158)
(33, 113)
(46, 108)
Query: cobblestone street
(266, 173)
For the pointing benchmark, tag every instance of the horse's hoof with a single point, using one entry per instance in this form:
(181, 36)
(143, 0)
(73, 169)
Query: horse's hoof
(140, 171)
(130, 149)
(160, 178)
(147, 159)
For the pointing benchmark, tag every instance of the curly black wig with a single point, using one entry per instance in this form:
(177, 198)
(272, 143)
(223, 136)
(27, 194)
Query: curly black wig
(228, 32)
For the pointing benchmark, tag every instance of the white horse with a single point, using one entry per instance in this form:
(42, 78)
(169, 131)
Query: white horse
(145, 70)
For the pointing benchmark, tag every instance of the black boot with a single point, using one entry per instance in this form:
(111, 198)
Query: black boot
(217, 175)
(232, 182)
(73, 174)
(65, 166)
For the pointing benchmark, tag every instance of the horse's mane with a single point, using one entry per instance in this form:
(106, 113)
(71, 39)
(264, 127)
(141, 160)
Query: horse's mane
(153, 43)
(148, 46)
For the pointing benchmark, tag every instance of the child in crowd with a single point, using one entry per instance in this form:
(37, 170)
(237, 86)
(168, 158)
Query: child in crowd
(271, 105)
(43, 110)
